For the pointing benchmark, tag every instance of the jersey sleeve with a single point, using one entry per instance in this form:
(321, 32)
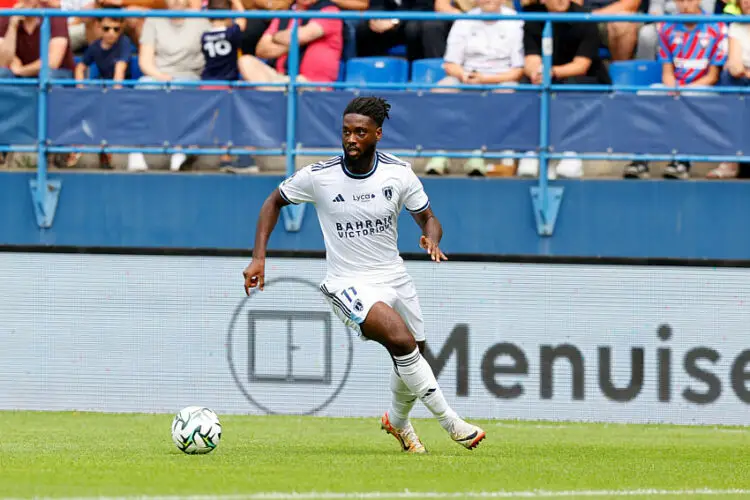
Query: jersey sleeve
(414, 198)
(298, 188)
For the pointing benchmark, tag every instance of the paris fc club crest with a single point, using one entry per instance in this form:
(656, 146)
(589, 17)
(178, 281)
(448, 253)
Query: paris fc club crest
(388, 192)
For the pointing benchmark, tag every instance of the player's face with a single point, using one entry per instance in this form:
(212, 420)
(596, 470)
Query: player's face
(359, 136)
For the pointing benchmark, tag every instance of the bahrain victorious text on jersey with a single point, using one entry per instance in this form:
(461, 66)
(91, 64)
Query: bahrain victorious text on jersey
(358, 214)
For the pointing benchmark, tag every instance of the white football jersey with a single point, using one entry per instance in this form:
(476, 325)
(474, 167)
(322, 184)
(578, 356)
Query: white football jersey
(359, 214)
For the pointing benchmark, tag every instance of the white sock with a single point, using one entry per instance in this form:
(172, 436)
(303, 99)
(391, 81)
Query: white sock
(176, 161)
(418, 377)
(402, 401)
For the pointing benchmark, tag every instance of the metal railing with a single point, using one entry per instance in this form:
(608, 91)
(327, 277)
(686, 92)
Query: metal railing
(546, 199)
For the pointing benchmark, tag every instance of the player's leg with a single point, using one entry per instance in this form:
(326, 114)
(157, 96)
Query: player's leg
(408, 307)
(385, 326)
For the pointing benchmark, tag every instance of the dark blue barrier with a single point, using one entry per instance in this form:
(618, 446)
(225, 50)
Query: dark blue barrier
(629, 123)
(18, 109)
(182, 117)
(701, 220)
(581, 122)
(465, 121)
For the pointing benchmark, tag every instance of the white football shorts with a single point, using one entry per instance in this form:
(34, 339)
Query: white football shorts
(352, 301)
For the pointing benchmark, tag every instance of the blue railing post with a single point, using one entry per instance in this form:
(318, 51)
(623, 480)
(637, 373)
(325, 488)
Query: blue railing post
(293, 214)
(545, 200)
(44, 193)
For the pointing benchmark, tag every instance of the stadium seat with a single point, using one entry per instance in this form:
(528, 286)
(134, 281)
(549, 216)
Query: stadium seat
(342, 72)
(427, 70)
(635, 72)
(377, 70)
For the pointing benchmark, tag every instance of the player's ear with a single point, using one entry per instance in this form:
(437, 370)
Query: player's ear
(378, 133)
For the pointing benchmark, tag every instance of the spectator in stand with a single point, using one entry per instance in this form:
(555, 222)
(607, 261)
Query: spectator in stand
(19, 45)
(575, 60)
(481, 53)
(736, 73)
(170, 49)
(81, 31)
(648, 36)
(220, 44)
(220, 47)
(692, 56)
(620, 38)
(423, 39)
(256, 27)
(111, 56)
(320, 40)
(134, 26)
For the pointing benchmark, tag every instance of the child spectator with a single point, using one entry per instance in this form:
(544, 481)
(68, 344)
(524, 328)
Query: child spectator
(221, 43)
(692, 55)
(110, 54)
(220, 46)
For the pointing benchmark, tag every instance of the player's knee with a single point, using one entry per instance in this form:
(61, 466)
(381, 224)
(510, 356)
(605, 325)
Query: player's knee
(401, 342)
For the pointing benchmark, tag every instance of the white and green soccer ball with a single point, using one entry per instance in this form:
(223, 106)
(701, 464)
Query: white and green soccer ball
(196, 430)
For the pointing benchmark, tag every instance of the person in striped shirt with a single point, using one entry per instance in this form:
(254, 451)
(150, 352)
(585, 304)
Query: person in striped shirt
(692, 55)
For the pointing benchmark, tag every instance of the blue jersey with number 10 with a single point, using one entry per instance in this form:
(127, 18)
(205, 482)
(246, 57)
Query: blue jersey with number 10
(219, 48)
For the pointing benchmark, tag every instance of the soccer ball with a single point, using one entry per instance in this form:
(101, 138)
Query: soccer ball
(196, 430)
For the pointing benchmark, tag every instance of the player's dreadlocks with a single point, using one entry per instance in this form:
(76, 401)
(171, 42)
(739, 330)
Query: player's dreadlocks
(375, 107)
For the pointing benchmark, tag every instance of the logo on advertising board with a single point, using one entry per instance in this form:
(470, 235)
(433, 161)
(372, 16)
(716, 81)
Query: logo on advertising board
(287, 352)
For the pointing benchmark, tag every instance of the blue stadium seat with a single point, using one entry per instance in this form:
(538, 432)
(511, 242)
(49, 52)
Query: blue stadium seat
(342, 72)
(427, 70)
(377, 70)
(93, 72)
(635, 72)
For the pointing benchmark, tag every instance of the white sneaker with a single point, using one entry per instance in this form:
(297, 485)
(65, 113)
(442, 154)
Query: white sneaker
(408, 438)
(529, 167)
(569, 168)
(137, 162)
(466, 434)
(176, 162)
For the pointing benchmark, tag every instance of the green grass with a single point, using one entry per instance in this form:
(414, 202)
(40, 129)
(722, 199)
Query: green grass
(88, 454)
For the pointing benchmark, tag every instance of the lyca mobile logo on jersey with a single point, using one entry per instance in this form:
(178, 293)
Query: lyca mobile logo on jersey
(364, 227)
(363, 197)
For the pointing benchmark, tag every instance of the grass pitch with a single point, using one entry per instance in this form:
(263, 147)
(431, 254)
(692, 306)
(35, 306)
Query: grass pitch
(88, 454)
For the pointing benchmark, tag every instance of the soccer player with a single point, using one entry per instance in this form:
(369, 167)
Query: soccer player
(358, 197)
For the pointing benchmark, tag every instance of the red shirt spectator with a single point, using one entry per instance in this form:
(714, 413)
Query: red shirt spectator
(319, 59)
(27, 43)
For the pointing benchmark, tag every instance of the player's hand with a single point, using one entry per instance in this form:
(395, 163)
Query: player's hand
(432, 248)
(255, 274)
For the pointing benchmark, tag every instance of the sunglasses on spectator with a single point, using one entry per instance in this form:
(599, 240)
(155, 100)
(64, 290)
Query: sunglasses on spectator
(111, 28)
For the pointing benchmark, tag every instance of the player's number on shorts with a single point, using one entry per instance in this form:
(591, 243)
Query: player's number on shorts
(218, 48)
(345, 293)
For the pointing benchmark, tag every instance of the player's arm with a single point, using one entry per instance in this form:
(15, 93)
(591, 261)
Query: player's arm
(254, 273)
(432, 233)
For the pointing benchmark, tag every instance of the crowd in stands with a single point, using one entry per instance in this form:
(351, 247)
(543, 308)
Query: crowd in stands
(473, 51)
